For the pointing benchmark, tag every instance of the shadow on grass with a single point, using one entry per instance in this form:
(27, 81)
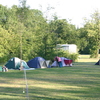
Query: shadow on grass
(63, 94)
(79, 82)
(11, 93)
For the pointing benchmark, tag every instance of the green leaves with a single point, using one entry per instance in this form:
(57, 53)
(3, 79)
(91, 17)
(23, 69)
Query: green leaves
(93, 33)
(26, 30)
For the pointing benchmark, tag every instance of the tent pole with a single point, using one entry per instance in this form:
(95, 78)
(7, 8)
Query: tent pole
(26, 85)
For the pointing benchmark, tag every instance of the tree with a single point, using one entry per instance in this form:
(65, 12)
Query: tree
(82, 40)
(64, 31)
(28, 34)
(93, 29)
(7, 46)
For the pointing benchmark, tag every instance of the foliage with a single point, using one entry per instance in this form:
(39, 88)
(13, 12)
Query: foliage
(64, 32)
(93, 33)
(26, 33)
(66, 54)
(5, 48)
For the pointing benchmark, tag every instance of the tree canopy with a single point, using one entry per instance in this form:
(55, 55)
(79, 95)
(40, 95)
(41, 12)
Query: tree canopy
(26, 33)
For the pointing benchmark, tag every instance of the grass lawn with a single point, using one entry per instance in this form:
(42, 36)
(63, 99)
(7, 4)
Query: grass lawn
(79, 82)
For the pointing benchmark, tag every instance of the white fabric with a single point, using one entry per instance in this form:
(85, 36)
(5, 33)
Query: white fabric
(17, 60)
(54, 63)
(47, 63)
(43, 64)
(29, 69)
(63, 64)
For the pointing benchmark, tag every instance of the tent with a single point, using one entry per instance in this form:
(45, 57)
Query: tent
(16, 63)
(0, 68)
(65, 62)
(38, 62)
(98, 63)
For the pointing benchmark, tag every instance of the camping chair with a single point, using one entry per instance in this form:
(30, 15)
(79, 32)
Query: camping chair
(68, 62)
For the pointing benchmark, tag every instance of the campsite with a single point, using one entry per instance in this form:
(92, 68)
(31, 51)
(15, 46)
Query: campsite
(79, 82)
(46, 57)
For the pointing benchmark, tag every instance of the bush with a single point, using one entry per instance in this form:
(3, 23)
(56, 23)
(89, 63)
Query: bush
(73, 56)
(62, 53)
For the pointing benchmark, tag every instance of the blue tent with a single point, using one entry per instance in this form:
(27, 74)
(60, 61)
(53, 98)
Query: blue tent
(98, 63)
(37, 62)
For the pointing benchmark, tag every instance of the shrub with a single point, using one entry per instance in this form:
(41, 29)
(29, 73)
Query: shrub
(66, 54)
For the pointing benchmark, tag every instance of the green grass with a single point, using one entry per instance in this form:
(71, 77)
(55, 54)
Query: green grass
(79, 82)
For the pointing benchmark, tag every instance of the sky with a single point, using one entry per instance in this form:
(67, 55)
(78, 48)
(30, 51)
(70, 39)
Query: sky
(76, 10)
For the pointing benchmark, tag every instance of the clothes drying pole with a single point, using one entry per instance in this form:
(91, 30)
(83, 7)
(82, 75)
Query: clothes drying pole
(21, 66)
(21, 28)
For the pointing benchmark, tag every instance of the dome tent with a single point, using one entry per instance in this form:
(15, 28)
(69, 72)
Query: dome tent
(0, 68)
(98, 63)
(16, 63)
(65, 62)
(37, 62)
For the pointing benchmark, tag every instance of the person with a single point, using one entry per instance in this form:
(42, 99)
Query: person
(59, 61)
(4, 69)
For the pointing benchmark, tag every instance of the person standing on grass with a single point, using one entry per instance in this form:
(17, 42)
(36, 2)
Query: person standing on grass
(59, 61)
